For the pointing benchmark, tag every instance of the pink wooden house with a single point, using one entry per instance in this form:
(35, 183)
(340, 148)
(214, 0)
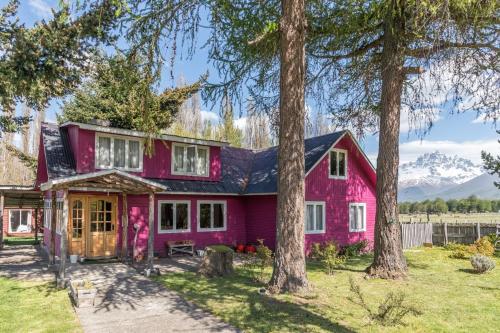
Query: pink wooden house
(111, 198)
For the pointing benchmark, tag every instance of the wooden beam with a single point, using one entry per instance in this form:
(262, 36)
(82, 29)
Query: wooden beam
(151, 231)
(61, 281)
(53, 222)
(2, 201)
(124, 252)
(36, 224)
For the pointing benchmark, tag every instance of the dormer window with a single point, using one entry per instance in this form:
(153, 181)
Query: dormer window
(190, 160)
(113, 152)
(338, 163)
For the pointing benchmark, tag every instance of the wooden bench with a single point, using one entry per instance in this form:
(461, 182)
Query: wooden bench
(180, 247)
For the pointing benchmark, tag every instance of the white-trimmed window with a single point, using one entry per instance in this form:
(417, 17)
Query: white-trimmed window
(315, 217)
(20, 220)
(338, 164)
(174, 216)
(47, 214)
(118, 152)
(357, 217)
(190, 160)
(212, 216)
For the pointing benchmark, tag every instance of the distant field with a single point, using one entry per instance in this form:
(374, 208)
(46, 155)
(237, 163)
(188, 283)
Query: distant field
(452, 218)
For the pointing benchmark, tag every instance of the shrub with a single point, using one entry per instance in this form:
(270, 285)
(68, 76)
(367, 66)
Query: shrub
(483, 246)
(453, 246)
(459, 254)
(391, 312)
(482, 263)
(328, 254)
(354, 249)
(259, 260)
(493, 238)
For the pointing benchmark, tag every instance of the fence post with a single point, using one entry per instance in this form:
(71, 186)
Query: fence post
(478, 229)
(445, 226)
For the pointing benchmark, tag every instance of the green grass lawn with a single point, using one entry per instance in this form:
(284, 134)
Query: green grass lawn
(20, 241)
(452, 218)
(451, 298)
(35, 307)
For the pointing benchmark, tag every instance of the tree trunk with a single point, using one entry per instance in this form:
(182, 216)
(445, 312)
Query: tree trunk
(151, 235)
(388, 261)
(216, 263)
(124, 252)
(289, 271)
(63, 251)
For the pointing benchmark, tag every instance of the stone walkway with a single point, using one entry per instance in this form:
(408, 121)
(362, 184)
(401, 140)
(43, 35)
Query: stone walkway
(126, 300)
(25, 262)
(129, 302)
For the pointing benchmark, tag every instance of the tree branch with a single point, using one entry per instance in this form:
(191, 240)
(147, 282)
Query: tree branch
(357, 52)
(424, 52)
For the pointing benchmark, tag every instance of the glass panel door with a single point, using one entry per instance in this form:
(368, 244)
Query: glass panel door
(102, 227)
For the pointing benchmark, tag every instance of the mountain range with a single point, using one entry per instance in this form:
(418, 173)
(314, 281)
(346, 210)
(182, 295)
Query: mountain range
(434, 175)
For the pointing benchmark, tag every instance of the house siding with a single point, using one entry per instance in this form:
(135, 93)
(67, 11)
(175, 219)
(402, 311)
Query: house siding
(157, 166)
(335, 193)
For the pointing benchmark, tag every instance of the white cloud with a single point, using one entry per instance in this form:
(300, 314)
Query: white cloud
(417, 122)
(481, 119)
(241, 123)
(471, 150)
(210, 116)
(40, 7)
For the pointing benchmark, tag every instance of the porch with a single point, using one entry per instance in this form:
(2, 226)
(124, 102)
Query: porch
(89, 222)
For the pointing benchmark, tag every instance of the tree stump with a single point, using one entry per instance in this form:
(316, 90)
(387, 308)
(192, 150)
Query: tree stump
(217, 261)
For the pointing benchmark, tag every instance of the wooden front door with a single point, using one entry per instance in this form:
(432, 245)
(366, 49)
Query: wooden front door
(101, 234)
(76, 225)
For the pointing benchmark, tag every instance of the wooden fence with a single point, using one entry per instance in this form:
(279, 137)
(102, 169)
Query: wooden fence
(416, 234)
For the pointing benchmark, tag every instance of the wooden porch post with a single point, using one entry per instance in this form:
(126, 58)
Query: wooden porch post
(124, 227)
(53, 222)
(36, 224)
(1, 219)
(151, 231)
(61, 282)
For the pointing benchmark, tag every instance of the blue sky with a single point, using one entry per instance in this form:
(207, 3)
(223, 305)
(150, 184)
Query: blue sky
(460, 134)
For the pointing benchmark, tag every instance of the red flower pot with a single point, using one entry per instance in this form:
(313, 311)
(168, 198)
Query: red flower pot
(240, 248)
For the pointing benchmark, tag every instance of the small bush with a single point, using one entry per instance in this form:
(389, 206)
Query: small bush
(453, 246)
(354, 249)
(328, 254)
(483, 246)
(459, 254)
(259, 261)
(482, 263)
(493, 238)
(391, 312)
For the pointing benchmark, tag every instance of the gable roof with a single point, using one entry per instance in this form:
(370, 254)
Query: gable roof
(244, 171)
(58, 155)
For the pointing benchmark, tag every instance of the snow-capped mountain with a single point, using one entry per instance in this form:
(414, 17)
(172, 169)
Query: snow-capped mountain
(435, 173)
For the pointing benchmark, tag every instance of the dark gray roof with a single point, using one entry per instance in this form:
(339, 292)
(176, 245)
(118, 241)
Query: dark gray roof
(58, 155)
(244, 171)
(263, 177)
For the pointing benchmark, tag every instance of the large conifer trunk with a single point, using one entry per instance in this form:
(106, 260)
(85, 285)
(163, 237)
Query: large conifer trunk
(289, 273)
(389, 261)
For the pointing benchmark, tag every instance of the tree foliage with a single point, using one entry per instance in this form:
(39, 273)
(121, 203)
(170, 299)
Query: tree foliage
(492, 163)
(119, 90)
(48, 59)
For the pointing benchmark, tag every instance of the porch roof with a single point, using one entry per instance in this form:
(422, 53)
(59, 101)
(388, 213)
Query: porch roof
(21, 196)
(112, 180)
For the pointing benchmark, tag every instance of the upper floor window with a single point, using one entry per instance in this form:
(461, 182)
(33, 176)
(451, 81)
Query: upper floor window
(118, 152)
(315, 217)
(190, 160)
(338, 163)
(357, 217)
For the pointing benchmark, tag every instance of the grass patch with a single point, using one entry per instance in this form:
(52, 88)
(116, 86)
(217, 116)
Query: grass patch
(451, 299)
(20, 241)
(35, 307)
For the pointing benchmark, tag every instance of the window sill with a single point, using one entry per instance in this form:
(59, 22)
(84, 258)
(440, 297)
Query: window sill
(362, 230)
(188, 174)
(211, 230)
(315, 232)
(174, 231)
(337, 177)
(97, 167)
